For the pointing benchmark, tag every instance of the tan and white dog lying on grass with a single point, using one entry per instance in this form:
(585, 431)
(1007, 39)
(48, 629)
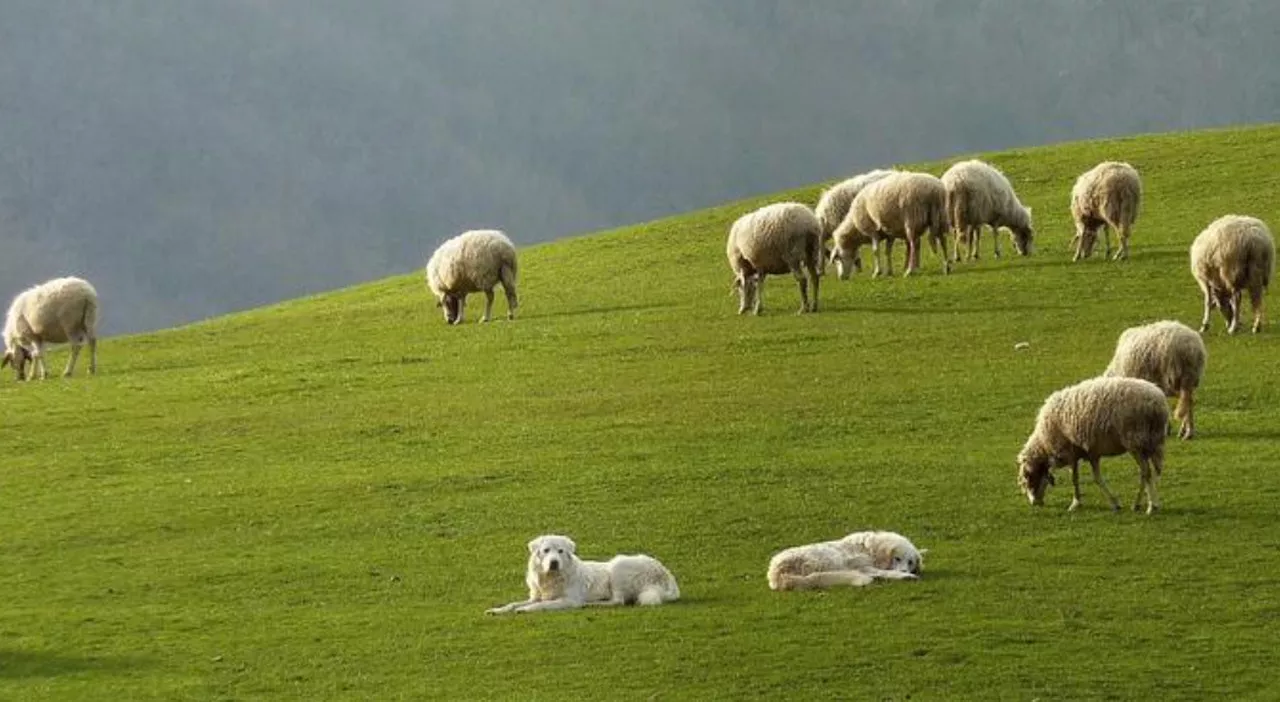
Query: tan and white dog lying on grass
(855, 560)
(558, 579)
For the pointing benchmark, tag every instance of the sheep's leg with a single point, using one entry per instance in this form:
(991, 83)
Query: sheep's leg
(803, 283)
(1186, 412)
(959, 237)
(757, 294)
(1106, 233)
(1075, 486)
(875, 254)
(1153, 479)
(995, 234)
(1123, 252)
(888, 255)
(1259, 311)
(488, 305)
(913, 248)
(1234, 325)
(1208, 309)
(93, 355)
(1102, 484)
(71, 362)
(512, 301)
(816, 277)
(38, 368)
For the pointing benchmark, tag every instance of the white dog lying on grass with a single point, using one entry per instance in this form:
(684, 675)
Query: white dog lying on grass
(855, 560)
(558, 579)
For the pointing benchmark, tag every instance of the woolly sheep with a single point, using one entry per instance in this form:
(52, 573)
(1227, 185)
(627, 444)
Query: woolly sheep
(784, 237)
(1108, 196)
(903, 205)
(834, 203)
(1169, 354)
(473, 261)
(58, 311)
(978, 194)
(1233, 254)
(1092, 419)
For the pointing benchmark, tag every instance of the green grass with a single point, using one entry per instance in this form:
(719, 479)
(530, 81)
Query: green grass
(319, 499)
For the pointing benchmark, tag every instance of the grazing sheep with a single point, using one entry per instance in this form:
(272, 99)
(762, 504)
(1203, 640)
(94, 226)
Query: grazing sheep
(473, 261)
(1169, 354)
(1233, 254)
(978, 194)
(1092, 419)
(901, 205)
(834, 203)
(1108, 196)
(784, 237)
(855, 560)
(58, 311)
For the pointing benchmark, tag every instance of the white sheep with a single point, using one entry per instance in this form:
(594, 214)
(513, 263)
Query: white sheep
(1107, 196)
(473, 261)
(58, 311)
(834, 203)
(902, 205)
(1092, 419)
(978, 194)
(1169, 354)
(1234, 254)
(784, 237)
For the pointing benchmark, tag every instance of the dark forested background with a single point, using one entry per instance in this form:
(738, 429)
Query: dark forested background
(193, 157)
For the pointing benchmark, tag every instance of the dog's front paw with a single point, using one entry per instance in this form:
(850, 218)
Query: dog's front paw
(496, 610)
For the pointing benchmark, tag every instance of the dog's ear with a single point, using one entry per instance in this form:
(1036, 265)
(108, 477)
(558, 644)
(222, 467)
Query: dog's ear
(572, 547)
(923, 551)
(533, 545)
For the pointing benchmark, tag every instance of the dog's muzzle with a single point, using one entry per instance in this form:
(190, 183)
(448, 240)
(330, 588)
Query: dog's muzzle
(553, 566)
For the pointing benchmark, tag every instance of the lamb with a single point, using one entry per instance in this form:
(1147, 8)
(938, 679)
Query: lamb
(473, 261)
(1233, 254)
(58, 311)
(1108, 196)
(903, 205)
(775, 239)
(834, 203)
(1098, 417)
(1169, 354)
(978, 194)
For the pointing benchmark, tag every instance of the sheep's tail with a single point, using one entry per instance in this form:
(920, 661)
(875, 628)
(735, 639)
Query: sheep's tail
(819, 581)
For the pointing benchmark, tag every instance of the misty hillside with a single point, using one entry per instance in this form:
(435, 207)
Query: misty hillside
(193, 157)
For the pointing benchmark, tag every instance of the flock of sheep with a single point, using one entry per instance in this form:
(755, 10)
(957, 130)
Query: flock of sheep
(1100, 417)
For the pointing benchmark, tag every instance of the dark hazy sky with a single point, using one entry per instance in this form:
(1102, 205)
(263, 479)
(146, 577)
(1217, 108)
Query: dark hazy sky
(193, 157)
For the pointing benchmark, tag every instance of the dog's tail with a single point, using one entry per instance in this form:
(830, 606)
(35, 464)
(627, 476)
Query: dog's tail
(819, 581)
(658, 593)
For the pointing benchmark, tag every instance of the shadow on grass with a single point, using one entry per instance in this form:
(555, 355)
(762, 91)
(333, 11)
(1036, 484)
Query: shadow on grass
(1235, 435)
(926, 310)
(44, 664)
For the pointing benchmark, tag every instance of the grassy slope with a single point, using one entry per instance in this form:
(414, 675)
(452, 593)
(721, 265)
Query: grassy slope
(319, 499)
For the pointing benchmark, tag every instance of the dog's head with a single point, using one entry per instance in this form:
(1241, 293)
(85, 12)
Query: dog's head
(551, 554)
(888, 550)
(908, 559)
(1035, 475)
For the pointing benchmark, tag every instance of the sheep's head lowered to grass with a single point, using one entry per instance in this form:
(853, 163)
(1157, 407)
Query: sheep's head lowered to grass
(1035, 475)
(18, 357)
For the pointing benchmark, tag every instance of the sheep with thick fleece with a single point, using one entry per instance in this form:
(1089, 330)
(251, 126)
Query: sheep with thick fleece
(473, 261)
(784, 237)
(1107, 196)
(1169, 354)
(902, 205)
(834, 203)
(978, 194)
(1092, 419)
(58, 311)
(1234, 254)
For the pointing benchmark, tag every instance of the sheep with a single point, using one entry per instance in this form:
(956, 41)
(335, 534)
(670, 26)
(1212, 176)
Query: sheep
(1169, 354)
(775, 239)
(473, 261)
(1099, 417)
(1108, 196)
(1233, 254)
(58, 311)
(834, 203)
(902, 205)
(978, 194)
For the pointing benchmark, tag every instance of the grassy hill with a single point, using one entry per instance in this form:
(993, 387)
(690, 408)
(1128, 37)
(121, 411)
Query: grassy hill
(319, 499)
